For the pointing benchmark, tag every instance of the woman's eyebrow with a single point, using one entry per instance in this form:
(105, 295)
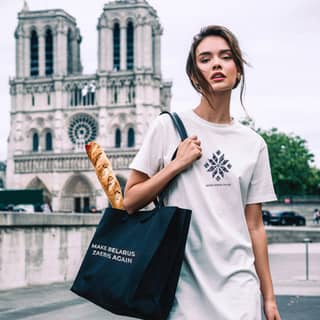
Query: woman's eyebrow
(223, 51)
(204, 53)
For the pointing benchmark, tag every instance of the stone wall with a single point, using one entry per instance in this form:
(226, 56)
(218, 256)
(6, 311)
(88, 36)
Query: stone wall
(46, 248)
(277, 234)
(42, 248)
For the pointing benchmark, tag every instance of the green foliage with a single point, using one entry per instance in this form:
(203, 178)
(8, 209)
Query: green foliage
(313, 185)
(291, 163)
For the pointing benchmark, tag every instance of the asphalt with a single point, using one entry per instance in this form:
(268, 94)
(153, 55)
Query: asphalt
(297, 298)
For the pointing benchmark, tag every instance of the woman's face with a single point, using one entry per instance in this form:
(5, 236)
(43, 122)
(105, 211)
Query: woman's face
(215, 61)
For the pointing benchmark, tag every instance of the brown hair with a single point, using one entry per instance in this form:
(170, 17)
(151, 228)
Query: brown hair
(197, 80)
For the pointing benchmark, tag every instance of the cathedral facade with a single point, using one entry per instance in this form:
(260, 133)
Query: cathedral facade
(56, 109)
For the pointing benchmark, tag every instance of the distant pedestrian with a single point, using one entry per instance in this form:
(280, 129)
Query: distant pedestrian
(316, 216)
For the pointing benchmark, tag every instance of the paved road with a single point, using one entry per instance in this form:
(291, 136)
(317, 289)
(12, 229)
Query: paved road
(299, 308)
(49, 303)
(297, 299)
(56, 302)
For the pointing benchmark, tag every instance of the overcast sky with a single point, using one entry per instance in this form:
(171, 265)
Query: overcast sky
(280, 39)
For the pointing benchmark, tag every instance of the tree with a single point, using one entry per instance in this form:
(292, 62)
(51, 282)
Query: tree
(291, 163)
(313, 186)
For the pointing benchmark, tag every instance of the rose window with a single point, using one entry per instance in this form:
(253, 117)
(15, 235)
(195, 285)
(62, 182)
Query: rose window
(82, 129)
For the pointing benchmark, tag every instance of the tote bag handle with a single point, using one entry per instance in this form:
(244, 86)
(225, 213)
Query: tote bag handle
(178, 124)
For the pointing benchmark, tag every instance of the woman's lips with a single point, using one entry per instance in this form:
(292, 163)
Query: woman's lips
(218, 79)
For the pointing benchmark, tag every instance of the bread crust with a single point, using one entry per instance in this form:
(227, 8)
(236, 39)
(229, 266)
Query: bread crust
(105, 174)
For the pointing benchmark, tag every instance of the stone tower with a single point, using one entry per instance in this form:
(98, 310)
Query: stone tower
(56, 109)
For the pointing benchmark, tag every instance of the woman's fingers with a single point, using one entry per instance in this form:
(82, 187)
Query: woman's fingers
(189, 151)
(195, 139)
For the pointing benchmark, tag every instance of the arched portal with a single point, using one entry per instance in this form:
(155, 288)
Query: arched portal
(77, 194)
(37, 183)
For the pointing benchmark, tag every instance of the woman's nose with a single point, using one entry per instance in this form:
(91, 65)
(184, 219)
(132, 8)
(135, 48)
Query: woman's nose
(216, 64)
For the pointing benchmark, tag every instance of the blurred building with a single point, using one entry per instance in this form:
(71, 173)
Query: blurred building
(56, 109)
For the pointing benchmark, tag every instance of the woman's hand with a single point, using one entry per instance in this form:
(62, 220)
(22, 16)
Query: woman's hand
(189, 151)
(141, 189)
(271, 310)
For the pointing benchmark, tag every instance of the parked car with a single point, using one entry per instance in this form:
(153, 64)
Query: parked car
(27, 208)
(4, 207)
(287, 218)
(266, 217)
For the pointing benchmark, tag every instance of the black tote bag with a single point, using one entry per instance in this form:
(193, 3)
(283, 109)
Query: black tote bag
(133, 262)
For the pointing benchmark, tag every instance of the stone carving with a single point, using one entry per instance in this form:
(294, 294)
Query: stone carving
(82, 129)
(45, 163)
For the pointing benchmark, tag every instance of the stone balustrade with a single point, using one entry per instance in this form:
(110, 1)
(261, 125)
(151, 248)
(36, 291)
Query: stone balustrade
(44, 162)
(40, 248)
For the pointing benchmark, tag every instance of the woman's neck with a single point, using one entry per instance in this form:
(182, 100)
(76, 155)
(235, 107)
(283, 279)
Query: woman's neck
(217, 113)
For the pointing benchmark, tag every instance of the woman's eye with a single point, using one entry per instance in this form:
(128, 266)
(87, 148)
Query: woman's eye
(205, 60)
(226, 57)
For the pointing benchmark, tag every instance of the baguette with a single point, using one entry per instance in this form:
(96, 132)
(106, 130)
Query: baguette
(104, 172)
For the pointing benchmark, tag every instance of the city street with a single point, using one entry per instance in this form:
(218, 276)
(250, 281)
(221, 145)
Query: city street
(297, 298)
(56, 302)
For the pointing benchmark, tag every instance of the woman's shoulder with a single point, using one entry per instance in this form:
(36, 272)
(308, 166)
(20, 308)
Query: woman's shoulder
(166, 122)
(251, 134)
(163, 125)
(160, 122)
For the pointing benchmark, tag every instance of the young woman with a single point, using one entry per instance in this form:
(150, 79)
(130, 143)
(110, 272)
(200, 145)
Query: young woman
(222, 173)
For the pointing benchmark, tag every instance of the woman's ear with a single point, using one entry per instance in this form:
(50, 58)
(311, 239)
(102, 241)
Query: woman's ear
(196, 83)
(238, 79)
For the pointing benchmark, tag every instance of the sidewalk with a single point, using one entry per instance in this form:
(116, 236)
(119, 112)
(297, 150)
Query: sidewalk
(297, 298)
(288, 268)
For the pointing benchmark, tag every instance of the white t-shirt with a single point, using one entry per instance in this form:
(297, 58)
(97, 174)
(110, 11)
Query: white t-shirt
(218, 278)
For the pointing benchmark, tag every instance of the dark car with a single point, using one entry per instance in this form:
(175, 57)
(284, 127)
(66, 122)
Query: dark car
(5, 207)
(287, 218)
(266, 217)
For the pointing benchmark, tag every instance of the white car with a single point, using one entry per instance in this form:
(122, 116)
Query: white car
(27, 208)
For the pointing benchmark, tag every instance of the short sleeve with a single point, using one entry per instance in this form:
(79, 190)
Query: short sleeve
(261, 185)
(149, 158)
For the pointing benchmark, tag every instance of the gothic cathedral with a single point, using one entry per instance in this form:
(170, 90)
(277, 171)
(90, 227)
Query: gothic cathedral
(56, 109)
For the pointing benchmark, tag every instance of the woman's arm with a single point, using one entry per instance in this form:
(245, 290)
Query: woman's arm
(142, 189)
(259, 244)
